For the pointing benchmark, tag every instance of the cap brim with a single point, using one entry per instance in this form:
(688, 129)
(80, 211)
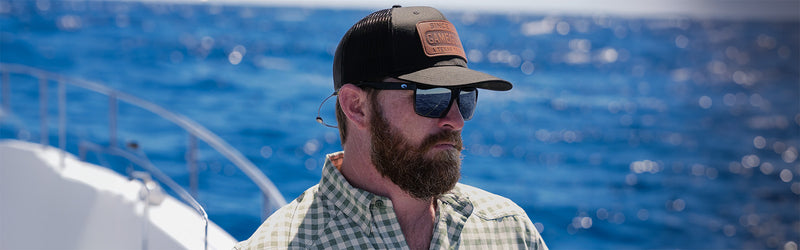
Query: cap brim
(456, 76)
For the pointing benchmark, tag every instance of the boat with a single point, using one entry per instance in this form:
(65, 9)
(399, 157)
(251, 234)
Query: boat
(54, 199)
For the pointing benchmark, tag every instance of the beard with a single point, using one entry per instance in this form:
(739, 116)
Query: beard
(408, 165)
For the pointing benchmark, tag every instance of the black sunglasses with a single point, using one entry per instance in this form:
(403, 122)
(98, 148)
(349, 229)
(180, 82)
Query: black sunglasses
(434, 101)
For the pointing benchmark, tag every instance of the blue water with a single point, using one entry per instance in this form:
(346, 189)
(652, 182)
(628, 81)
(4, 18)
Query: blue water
(620, 133)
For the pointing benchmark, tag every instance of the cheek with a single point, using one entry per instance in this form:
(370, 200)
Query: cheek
(399, 112)
(399, 109)
(413, 127)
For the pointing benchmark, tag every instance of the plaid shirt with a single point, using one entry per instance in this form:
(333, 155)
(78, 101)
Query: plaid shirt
(335, 215)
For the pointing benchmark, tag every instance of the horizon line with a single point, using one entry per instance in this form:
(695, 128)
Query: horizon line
(774, 10)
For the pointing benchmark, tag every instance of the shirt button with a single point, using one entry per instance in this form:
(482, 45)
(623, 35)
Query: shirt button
(379, 204)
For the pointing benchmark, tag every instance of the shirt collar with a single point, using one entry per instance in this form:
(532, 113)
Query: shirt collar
(454, 208)
(349, 200)
(355, 202)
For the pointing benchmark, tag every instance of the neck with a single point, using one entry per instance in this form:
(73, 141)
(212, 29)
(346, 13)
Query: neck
(416, 216)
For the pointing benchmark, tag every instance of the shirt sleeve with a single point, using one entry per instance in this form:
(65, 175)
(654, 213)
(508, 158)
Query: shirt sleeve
(534, 240)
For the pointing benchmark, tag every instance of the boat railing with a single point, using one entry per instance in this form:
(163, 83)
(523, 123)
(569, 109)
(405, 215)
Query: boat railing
(271, 196)
(152, 171)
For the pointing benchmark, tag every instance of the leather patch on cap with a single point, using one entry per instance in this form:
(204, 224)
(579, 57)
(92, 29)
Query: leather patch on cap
(439, 38)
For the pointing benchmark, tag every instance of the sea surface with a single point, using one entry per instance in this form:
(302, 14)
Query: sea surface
(619, 133)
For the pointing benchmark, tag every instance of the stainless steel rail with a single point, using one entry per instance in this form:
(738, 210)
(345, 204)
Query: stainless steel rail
(271, 195)
(155, 172)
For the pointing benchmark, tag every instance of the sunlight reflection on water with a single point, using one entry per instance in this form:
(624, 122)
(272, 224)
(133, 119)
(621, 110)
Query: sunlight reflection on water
(619, 133)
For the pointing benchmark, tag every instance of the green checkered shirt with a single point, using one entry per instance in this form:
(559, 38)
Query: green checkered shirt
(335, 215)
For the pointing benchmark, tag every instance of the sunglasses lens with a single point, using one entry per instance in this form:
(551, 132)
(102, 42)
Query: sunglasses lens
(467, 100)
(432, 102)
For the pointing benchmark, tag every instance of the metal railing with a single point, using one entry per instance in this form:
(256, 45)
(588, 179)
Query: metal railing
(271, 195)
(154, 172)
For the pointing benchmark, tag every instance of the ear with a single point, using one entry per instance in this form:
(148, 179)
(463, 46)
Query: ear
(353, 101)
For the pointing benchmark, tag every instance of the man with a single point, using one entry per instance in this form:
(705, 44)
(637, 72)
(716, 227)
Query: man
(404, 92)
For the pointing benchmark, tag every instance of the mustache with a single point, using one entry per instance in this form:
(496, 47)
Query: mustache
(444, 136)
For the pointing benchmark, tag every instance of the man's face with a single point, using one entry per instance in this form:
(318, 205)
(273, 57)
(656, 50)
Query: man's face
(426, 168)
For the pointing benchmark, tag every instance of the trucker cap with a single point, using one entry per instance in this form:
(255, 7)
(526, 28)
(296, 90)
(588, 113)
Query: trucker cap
(415, 44)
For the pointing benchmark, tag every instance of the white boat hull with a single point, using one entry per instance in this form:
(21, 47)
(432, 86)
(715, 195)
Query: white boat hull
(83, 206)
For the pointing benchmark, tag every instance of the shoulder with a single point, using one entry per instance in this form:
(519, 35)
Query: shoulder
(488, 205)
(495, 217)
(280, 229)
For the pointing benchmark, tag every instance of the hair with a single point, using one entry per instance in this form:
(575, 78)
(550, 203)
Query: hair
(341, 118)
(341, 121)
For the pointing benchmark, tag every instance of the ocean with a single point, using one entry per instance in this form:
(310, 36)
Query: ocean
(619, 133)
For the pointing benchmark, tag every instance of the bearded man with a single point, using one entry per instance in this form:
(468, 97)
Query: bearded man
(403, 93)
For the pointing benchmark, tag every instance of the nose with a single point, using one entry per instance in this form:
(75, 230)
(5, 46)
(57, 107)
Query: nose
(453, 119)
